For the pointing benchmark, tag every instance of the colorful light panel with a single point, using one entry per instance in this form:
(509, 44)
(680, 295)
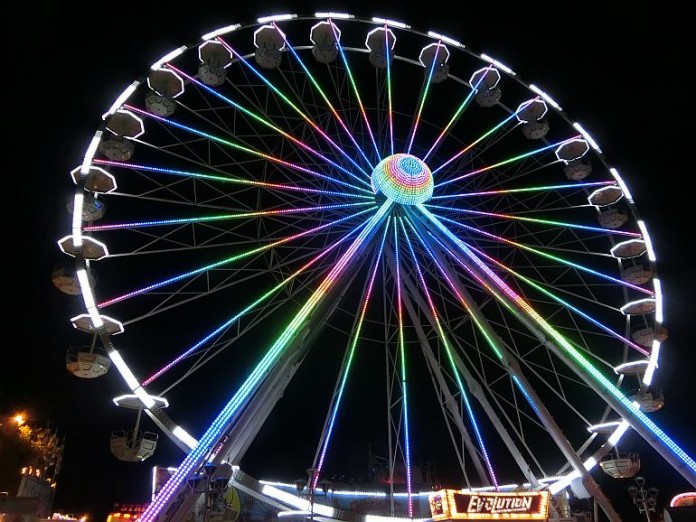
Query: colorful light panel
(403, 178)
(450, 504)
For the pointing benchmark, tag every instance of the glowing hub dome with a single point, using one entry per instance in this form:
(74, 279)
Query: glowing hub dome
(403, 178)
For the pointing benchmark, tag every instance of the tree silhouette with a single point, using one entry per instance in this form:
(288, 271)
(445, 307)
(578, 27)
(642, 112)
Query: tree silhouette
(23, 446)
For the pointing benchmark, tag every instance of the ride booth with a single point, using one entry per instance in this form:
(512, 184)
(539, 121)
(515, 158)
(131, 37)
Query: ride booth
(454, 505)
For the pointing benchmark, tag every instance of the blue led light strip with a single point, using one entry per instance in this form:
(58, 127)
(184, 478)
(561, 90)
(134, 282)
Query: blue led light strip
(402, 356)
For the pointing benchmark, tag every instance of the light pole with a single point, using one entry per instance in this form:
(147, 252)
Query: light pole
(644, 499)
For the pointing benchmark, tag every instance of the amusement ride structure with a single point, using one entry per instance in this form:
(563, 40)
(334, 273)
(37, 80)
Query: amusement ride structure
(428, 241)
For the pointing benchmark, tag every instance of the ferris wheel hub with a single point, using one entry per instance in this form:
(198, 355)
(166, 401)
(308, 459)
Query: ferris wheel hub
(403, 178)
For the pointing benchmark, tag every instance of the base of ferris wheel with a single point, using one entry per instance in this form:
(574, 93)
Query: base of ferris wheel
(225, 493)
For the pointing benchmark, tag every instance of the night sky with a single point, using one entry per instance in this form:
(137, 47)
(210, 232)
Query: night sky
(624, 76)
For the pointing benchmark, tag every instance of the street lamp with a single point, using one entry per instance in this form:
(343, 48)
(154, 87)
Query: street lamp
(644, 499)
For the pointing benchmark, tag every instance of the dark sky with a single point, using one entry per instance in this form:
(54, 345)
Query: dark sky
(623, 74)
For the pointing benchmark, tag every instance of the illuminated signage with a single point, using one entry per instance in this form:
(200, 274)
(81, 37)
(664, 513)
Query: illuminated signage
(449, 504)
(684, 499)
(126, 512)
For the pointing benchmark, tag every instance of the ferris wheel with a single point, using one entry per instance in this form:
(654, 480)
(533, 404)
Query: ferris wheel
(365, 231)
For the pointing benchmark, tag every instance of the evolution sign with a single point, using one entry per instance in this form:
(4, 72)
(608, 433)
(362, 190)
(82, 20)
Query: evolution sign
(449, 504)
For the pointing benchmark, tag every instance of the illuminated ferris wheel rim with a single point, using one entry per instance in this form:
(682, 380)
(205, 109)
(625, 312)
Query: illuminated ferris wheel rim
(154, 404)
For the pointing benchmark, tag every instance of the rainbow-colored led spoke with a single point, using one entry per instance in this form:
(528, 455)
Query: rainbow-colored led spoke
(575, 359)
(292, 105)
(354, 85)
(221, 217)
(539, 287)
(450, 357)
(336, 404)
(506, 162)
(311, 78)
(470, 312)
(389, 90)
(474, 143)
(206, 444)
(228, 260)
(402, 358)
(224, 178)
(237, 146)
(261, 299)
(498, 346)
(267, 123)
(492, 340)
(455, 117)
(423, 96)
(541, 188)
(548, 222)
(546, 255)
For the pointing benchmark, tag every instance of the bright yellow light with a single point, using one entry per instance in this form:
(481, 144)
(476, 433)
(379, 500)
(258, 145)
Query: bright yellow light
(19, 419)
(448, 505)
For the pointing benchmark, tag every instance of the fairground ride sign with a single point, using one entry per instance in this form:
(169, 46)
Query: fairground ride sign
(449, 504)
